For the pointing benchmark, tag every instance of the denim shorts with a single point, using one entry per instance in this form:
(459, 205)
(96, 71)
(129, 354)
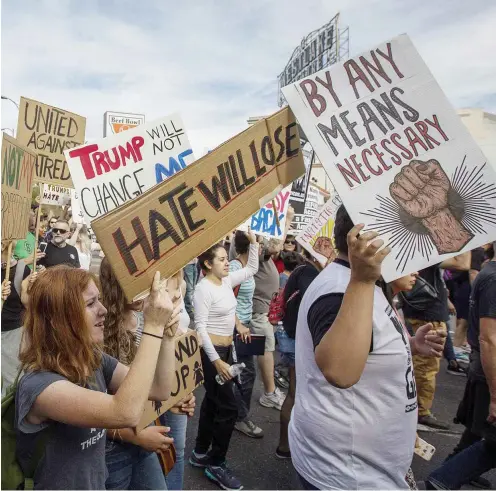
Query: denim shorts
(286, 346)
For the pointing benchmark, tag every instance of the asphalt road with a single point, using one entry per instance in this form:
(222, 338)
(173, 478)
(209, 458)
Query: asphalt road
(255, 464)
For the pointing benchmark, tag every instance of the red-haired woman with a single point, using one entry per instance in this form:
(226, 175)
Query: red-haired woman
(63, 396)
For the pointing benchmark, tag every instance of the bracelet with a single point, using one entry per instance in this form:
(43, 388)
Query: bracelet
(153, 335)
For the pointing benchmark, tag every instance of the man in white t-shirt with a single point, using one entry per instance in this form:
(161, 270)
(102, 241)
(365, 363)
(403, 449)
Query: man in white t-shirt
(353, 424)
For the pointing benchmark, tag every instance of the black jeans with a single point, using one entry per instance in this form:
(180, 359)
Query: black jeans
(218, 413)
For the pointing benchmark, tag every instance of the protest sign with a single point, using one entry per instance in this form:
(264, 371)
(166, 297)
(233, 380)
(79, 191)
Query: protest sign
(314, 200)
(114, 170)
(114, 123)
(77, 213)
(18, 170)
(264, 221)
(299, 188)
(48, 131)
(316, 238)
(188, 376)
(178, 219)
(55, 195)
(398, 155)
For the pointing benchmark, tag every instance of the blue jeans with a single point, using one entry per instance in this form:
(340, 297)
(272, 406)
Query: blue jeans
(191, 279)
(131, 467)
(464, 466)
(177, 424)
(286, 346)
(449, 351)
(305, 484)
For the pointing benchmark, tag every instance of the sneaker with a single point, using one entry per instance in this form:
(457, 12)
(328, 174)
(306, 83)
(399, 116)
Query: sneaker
(430, 421)
(249, 428)
(481, 483)
(275, 400)
(199, 460)
(280, 380)
(222, 476)
(455, 369)
(281, 454)
(462, 356)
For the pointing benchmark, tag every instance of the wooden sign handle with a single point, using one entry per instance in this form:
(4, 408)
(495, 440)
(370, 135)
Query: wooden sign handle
(276, 214)
(38, 217)
(7, 269)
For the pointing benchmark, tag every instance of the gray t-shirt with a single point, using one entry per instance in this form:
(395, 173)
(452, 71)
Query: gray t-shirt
(74, 457)
(266, 284)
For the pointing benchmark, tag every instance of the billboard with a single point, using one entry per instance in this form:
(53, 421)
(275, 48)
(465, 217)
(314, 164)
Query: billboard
(114, 123)
(317, 50)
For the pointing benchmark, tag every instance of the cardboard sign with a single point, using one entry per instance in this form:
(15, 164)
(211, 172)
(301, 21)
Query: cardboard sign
(316, 238)
(114, 170)
(178, 219)
(18, 171)
(55, 195)
(398, 155)
(114, 123)
(49, 131)
(189, 375)
(264, 222)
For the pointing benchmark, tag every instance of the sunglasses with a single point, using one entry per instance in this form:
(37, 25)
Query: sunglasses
(290, 242)
(59, 231)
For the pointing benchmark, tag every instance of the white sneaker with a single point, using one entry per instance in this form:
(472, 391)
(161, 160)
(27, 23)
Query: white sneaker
(275, 400)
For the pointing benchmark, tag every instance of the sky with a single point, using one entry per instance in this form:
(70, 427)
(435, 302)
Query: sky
(216, 62)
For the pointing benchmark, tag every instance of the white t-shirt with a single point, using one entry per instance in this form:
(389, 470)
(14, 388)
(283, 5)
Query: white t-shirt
(215, 305)
(361, 437)
(84, 258)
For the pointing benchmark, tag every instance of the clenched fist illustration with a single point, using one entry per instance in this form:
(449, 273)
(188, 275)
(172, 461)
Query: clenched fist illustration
(421, 189)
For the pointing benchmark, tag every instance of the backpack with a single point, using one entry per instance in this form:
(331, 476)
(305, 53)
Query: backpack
(277, 307)
(13, 477)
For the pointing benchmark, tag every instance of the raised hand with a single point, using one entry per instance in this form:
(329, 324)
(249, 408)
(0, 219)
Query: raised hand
(158, 307)
(421, 189)
(365, 257)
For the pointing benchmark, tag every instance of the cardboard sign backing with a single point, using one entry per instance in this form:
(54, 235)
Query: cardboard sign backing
(18, 170)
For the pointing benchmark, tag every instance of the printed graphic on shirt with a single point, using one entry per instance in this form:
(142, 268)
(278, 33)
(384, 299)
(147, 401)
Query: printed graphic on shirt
(411, 388)
(93, 439)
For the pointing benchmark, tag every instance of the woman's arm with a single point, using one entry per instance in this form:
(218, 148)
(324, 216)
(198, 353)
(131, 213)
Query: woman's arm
(74, 405)
(72, 241)
(201, 304)
(251, 268)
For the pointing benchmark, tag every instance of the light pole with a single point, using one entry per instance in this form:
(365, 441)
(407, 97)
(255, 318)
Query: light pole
(9, 99)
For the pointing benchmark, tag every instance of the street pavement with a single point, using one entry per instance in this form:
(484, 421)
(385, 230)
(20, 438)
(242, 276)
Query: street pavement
(255, 464)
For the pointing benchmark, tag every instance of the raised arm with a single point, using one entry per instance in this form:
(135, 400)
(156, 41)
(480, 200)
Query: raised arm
(74, 405)
(458, 263)
(237, 277)
(72, 241)
(341, 362)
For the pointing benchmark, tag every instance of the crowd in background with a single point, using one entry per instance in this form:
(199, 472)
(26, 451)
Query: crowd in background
(358, 355)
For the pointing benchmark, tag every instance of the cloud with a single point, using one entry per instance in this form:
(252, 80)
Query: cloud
(214, 61)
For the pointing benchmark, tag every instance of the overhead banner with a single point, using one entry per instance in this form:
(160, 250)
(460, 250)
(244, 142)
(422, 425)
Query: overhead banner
(264, 221)
(18, 170)
(114, 170)
(178, 219)
(49, 131)
(55, 195)
(398, 155)
(316, 238)
(115, 123)
(189, 375)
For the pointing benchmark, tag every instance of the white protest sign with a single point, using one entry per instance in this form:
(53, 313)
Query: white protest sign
(398, 155)
(77, 212)
(54, 194)
(316, 238)
(264, 222)
(112, 171)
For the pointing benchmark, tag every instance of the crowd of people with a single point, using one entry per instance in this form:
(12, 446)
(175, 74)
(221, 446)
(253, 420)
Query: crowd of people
(350, 364)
